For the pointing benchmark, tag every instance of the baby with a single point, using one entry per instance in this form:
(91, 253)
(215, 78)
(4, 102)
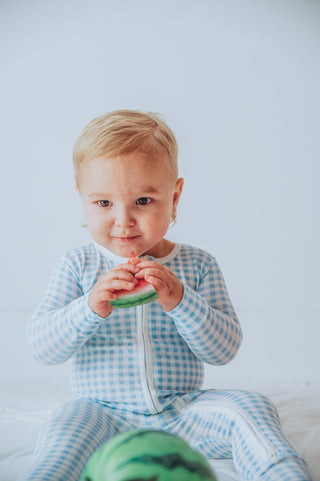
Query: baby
(142, 367)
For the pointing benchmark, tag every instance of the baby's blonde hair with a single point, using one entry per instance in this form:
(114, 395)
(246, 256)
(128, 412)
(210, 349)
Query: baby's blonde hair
(125, 131)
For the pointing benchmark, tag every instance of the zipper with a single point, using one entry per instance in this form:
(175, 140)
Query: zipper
(145, 359)
(227, 408)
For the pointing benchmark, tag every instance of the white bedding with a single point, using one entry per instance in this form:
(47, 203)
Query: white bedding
(25, 405)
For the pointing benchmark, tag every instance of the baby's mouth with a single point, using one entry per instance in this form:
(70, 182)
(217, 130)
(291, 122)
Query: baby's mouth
(126, 238)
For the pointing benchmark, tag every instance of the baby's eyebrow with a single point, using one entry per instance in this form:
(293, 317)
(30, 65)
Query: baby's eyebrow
(100, 195)
(141, 191)
(148, 189)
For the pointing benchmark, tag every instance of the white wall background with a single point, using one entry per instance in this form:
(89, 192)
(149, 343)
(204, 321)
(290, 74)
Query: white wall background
(238, 82)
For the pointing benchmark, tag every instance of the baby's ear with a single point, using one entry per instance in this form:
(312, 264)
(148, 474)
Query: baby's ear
(178, 190)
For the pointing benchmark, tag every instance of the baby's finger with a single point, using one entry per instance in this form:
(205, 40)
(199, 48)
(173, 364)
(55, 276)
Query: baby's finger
(157, 283)
(119, 272)
(126, 267)
(105, 295)
(118, 284)
(151, 271)
(142, 263)
(115, 274)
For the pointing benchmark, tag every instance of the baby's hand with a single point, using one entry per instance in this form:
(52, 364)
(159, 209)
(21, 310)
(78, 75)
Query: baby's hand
(165, 282)
(106, 287)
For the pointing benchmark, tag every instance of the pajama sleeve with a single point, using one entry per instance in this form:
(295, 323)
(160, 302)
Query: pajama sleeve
(206, 320)
(64, 321)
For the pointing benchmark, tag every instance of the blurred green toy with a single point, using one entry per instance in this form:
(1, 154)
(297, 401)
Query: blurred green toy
(147, 455)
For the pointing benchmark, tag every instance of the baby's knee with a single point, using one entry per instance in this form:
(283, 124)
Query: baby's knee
(260, 405)
(80, 416)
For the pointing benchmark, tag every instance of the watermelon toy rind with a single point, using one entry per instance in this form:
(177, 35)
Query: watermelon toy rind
(146, 454)
(143, 293)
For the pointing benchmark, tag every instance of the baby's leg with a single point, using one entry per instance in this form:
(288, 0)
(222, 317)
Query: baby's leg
(244, 426)
(68, 439)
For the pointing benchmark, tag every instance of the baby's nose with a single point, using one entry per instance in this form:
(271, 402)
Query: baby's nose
(124, 217)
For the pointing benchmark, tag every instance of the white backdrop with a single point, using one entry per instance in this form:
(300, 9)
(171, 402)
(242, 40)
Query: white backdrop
(238, 82)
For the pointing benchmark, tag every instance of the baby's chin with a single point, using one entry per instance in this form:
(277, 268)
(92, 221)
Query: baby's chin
(122, 248)
(125, 246)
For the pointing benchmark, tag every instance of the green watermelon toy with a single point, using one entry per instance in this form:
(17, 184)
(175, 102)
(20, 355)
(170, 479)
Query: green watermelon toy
(142, 293)
(147, 455)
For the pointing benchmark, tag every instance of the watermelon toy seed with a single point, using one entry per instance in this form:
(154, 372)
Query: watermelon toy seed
(142, 293)
(147, 455)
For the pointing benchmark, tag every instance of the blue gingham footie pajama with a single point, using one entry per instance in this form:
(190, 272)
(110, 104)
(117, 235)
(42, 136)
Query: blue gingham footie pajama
(143, 367)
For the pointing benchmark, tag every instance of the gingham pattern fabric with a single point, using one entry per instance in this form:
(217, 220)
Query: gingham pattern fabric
(142, 368)
(220, 424)
(138, 358)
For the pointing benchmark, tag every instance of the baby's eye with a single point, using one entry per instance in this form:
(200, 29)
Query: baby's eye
(143, 201)
(104, 203)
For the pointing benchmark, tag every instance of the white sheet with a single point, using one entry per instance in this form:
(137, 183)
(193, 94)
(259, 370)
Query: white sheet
(24, 407)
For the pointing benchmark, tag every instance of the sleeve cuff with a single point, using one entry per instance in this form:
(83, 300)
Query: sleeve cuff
(84, 319)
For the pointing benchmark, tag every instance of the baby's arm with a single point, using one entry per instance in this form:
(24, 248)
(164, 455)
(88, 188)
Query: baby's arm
(67, 318)
(205, 317)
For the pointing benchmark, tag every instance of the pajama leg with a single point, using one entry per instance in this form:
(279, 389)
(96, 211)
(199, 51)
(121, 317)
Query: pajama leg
(68, 439)
(244, 426)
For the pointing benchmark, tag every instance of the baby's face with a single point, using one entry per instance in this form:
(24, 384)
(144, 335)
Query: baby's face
(128, 201)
